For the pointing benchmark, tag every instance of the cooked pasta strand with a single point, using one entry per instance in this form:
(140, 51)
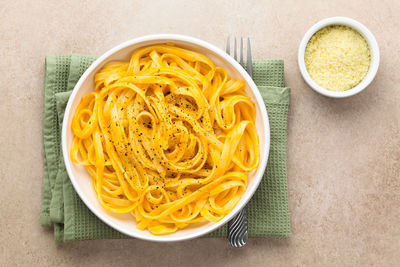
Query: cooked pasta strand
(167, 137)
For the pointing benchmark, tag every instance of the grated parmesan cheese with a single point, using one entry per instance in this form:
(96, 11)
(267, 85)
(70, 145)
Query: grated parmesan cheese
(337, 58)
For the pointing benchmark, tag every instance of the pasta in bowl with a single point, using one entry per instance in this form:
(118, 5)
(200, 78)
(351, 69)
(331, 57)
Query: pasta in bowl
(167, 134)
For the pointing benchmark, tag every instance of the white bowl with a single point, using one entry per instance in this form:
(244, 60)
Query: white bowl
(80, 178)
(369, 37)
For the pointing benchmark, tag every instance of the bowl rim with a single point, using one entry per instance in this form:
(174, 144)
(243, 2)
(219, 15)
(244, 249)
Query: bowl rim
(374, 50)
(169, 37)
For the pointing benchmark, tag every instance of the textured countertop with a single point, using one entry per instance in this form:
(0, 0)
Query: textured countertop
(343, 155)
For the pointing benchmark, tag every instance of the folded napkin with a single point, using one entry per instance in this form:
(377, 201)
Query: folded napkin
(267, 212)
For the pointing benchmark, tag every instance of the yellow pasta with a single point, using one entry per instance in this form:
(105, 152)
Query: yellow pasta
(167, 137)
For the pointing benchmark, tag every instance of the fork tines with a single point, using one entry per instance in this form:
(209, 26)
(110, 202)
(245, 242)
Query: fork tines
(249, 61)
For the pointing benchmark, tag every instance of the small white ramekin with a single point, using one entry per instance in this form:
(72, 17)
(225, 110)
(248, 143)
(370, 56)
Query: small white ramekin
(369, 37)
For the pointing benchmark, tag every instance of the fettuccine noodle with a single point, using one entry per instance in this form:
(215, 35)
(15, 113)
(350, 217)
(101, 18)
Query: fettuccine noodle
(167, 137)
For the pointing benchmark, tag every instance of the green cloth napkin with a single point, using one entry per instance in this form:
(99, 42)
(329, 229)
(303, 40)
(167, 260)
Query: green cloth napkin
(267, 212)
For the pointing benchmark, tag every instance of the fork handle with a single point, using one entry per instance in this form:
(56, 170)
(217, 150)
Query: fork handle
(237, 230)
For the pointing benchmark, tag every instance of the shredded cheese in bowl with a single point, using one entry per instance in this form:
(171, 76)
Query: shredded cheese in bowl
(337, 58)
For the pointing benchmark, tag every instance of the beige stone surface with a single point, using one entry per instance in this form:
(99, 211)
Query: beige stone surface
(343, 155)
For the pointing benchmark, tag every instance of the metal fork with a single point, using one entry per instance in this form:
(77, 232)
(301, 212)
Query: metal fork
(237, 227)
